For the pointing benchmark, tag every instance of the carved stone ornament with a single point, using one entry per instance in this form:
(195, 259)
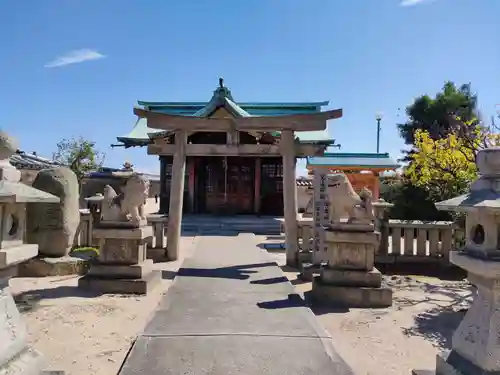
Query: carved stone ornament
(127, 207)
(345, 201)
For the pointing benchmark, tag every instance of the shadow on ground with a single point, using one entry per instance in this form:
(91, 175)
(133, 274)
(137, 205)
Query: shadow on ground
(270, 281)
(296, 300)
(293, 300)
(437, 270)
(239, 272)
(438, 323)
(272, 247)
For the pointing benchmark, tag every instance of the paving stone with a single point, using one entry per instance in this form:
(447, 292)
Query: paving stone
(233, 313)
(235, 355)
(230, 310)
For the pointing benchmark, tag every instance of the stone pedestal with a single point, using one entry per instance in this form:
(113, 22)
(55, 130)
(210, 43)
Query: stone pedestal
(122, 266)
(16, 357)
(350, 278)
(475, 347)
(42, 267)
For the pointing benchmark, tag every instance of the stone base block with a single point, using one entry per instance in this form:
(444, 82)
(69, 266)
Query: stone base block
(452, 363)
(122, 246)
(345, 296)
(351, 250)
(135, 271)
(41, 267)
(29, 361)
(16, 254)
(109, 284)
(351, 278)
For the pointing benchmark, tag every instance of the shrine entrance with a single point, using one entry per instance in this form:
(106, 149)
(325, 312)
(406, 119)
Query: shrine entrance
(229, 173)
(225, 185)
(271, 190)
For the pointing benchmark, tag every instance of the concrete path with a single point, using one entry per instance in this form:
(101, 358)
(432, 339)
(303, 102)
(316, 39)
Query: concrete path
(231, 311)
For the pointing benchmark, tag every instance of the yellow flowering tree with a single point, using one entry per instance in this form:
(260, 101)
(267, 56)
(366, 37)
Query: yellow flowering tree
(446, 166)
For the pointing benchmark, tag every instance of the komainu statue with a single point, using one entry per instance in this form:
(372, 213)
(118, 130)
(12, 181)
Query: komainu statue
(127, 207)
(345, 202)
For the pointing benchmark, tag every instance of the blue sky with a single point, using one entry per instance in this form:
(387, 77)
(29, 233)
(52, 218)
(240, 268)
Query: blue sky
(365, 56)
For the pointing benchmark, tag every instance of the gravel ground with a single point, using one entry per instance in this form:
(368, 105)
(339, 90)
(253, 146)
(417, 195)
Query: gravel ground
(84, 334)
(406, 336)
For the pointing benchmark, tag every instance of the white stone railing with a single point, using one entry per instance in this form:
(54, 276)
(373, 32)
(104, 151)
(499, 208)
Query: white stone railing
(401, 240)
(418, 240)
(159, 224)
(84, 237)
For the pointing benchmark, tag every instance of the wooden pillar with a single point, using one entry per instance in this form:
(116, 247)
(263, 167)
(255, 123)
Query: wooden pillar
(258, 176)
(287, 146)
(176, 196)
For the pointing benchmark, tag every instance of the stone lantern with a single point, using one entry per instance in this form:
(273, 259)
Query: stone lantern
(15, 356)
(475, 345)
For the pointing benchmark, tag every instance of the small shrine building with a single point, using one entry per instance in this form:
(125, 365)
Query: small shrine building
(235, 172)
(222, 156)
(362, 169)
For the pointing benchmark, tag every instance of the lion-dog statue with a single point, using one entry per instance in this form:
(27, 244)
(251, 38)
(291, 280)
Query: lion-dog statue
(127, 207)
(345, 202)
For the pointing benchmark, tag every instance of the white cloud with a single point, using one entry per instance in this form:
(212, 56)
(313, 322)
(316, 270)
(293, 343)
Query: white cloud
(75, 57)
(409, 3)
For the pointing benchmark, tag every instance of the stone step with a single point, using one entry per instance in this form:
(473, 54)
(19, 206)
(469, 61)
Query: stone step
(269, 228)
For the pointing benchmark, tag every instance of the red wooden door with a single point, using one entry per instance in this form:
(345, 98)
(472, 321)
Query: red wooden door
(229, 185)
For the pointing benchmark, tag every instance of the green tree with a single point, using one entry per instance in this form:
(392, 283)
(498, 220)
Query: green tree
(437, 116)
(411, 202)
(80, 155)
(445, 167)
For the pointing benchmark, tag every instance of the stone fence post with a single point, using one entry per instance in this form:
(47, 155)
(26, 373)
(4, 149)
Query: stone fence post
(381, 210)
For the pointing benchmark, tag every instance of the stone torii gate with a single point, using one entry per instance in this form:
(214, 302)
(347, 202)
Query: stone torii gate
(288, 148)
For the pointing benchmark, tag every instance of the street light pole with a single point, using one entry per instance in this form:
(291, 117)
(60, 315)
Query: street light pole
(378, 117)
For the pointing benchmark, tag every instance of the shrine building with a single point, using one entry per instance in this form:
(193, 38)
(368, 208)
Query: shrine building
(228, 157)
(239, 171)
(362, 169)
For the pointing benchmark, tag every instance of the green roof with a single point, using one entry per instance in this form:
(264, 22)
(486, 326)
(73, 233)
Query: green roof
(222, 98)
(354, 160)
(139, 136)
